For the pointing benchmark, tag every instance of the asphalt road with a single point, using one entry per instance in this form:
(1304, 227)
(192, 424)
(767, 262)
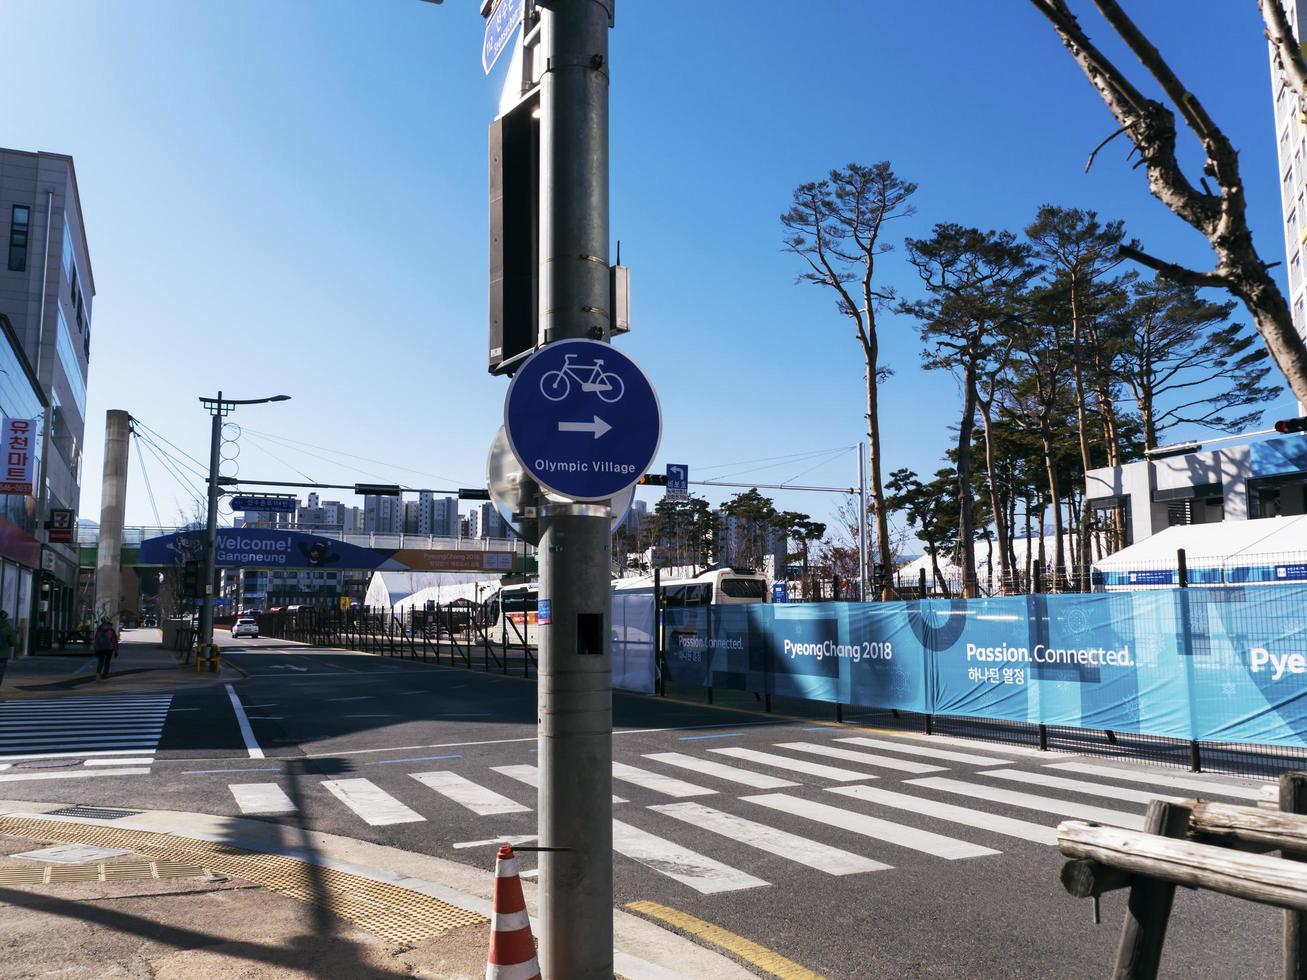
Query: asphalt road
(899, 856)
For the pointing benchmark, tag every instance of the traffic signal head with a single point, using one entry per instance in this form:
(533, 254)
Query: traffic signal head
(653, 480)
(1291, 425)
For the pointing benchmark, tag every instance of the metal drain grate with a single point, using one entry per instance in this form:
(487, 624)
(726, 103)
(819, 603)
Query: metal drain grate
(93, 812)
(396, 913)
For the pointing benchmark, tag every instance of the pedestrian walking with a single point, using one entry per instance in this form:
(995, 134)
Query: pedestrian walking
(8, 635)
(105, 645)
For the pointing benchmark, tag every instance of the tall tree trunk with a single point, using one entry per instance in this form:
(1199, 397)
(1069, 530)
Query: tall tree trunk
(1030, 553)
(1050, 469)
(1082, 408)
(966, 515)
(873, 465)
(997, 506)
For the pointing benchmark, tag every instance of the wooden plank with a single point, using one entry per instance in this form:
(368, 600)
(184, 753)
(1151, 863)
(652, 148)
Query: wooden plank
(1085, 879)
(1148, 910)
(1270, 829)
(1256, 877)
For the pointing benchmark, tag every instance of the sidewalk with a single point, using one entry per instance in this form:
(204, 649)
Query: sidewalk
(142, 665)
(192, 895)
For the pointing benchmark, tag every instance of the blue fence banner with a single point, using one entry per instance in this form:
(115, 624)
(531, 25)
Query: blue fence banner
(1214, 664)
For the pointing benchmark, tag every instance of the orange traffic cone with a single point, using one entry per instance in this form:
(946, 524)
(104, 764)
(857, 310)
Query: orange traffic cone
(512, 950)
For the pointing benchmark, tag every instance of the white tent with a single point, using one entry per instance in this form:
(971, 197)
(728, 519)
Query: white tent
(385, 589)
(443, 593)
(1268, 550)
(909, 573)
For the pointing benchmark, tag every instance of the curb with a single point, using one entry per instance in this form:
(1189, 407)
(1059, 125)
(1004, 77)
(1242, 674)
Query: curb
(643, 949)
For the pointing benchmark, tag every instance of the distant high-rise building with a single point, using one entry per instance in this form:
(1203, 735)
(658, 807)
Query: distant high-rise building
(444, 517)
(470, 525)
(426, 516)
(491, 525)
(383, 515)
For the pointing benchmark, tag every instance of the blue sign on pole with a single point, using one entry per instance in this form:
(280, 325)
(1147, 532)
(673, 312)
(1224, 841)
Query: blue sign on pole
(678, 481)
(502, 22)
(285, 505)
(582, 419)
(780, 592)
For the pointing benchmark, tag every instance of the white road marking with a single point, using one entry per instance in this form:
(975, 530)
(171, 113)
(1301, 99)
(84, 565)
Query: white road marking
(792, 847)
(14, 777)
(519, 839)
(1158, 779)
(971, 743)
(531, 776)
(1045, 804)
(659, 783)
(925, 750)
(1078, 786)
(478, 799)
(261, 798)
(361, 697)
(371, 802)
(266, 717)
(703, 874)
(143, 760)
(938, 845)
(247, 733)
(533, 873)
(1033, 832)
(864, 758)
(798, 765)
(77, 755)
(371, 716)
(748, 777)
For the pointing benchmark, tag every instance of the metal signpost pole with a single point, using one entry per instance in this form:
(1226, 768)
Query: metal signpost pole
(575, 685)
(211, 528)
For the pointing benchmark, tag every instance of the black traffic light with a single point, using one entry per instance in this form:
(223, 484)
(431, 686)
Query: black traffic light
(653, 480)
(377, 489)
(191, 579)
(879, 576)
(1291, 425)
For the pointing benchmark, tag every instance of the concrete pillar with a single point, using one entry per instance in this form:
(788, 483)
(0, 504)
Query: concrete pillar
(113, 507)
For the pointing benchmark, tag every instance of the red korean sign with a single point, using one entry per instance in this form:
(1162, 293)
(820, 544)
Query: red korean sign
(17, 456)
(62, 526)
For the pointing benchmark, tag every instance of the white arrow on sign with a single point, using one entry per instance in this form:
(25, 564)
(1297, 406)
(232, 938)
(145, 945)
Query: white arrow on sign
(598, 427)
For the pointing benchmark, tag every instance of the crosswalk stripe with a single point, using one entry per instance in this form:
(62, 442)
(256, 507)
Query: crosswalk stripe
(734, 774)
(142, 760)
(80, 721)
(703, 874)
(1034, 832)
(798, 765)
(1079, 786)
(866, 758)
(970, 743)
(14, 777)
(924, 750)
(79, 702)
(71, 755)
(261, 798)
(1158, 779)
(1046, 804)
(481, 801)
(948, 848)
(89, 739)
(811, 853)
(372, 803)
(657, 782)
(531, 776)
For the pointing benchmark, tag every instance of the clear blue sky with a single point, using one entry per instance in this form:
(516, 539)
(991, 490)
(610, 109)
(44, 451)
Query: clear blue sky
(291, 197)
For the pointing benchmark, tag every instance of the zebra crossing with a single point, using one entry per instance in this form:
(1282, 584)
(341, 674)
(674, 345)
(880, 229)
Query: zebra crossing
(838, 821)
(112, 736)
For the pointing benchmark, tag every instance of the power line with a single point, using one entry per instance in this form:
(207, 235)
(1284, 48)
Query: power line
(366, 459)
(180, 477)
(178, 448)
(149, 490)
(255, 443)
(769, 459)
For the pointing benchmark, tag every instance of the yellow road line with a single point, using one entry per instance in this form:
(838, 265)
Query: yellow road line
(763, 958)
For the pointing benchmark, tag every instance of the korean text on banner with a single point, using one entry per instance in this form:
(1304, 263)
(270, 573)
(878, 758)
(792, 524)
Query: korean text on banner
(17, 444)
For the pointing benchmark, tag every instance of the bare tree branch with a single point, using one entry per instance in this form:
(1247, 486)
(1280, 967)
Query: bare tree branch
(1171, 270)
(1284, 47)
(1090, 162)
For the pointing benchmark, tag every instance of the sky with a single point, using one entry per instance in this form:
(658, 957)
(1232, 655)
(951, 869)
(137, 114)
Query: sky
(290, 197)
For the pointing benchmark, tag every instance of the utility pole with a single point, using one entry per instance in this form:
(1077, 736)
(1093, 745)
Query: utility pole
(219, 408)
(113, 504)
(575, 684)
(862, 521)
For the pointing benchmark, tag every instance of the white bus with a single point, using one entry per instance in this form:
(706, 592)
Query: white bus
(718, 586)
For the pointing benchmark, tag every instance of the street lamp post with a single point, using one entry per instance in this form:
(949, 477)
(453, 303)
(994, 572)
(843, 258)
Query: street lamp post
(219, 408)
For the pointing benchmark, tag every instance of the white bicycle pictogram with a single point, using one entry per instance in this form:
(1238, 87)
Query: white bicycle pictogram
(557, 385)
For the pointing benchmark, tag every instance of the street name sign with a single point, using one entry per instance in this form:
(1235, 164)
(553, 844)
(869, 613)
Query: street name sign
(500, 25)
(284, 505)
(582, 419)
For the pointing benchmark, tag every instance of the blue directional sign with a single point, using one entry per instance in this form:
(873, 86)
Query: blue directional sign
(780, 592)
(503, 21)
(582, 419)
(285, 505)
(678, 481)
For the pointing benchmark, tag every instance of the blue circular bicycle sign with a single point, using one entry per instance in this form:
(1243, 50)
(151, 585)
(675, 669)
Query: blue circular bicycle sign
(582, 419)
